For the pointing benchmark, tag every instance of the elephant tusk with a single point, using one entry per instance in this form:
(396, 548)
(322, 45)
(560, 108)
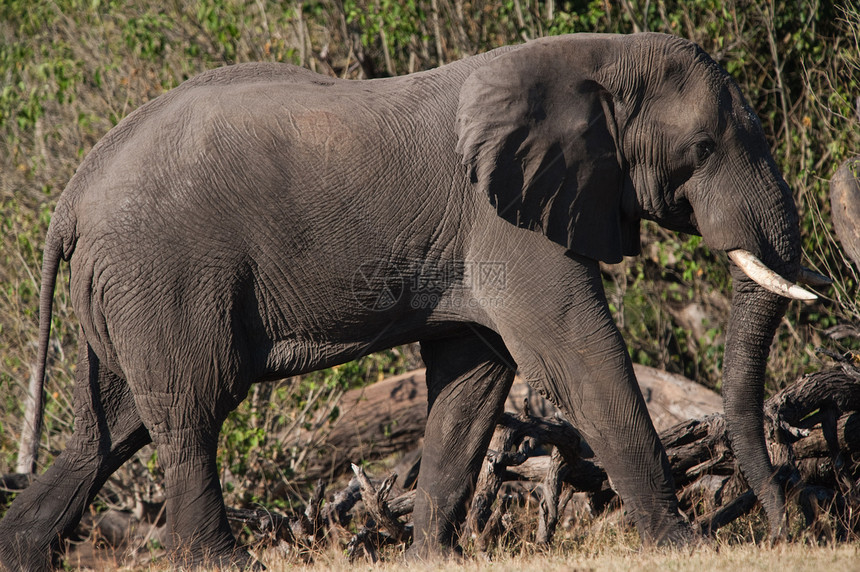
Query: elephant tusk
(813, 278)
(767, 278)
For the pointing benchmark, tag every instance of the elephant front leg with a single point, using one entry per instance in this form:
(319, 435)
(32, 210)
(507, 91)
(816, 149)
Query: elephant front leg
(468, 379)
(598, 393)
(565, 342)
(108, 431)
(613, 418)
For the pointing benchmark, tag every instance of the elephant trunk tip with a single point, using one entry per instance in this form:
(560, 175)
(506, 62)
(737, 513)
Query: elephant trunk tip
(812, 278)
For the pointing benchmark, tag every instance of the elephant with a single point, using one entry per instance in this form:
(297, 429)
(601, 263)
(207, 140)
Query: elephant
(261, 221)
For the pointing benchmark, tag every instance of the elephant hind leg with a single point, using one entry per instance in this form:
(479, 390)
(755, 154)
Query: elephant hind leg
(184, 416)
(108, 431)
(196, 517)
(468, 380)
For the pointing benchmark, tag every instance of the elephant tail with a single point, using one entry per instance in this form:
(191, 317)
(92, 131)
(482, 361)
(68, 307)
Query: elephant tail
(59, 244)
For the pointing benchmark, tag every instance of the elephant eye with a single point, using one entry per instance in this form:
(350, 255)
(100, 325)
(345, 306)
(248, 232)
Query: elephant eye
(703, 150)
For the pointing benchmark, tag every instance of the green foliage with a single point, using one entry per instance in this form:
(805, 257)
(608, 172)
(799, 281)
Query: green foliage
(268, 437)
(146, 35)
(395, 23)
(221, 20)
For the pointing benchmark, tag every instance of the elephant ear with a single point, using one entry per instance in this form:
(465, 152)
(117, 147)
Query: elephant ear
(538, 136)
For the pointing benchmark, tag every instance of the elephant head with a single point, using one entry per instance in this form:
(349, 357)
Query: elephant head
(581, 137)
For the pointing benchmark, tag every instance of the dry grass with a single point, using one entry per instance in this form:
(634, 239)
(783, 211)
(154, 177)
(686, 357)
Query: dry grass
(728, 558)
(795, 557)
(607, 543)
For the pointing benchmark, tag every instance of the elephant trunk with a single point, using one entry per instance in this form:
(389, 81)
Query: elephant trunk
(755, 315)
(768, 230)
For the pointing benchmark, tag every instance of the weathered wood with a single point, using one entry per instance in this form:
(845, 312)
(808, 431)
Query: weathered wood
(301, 529)
(338, 510)
(796, 405)
(374, 422)
(816, 417)
(845, 207)
(494, 526)
(367, 540)
(506, 442)
(389, 416)
(817, 420)
(670, 398)
(266, 523)
(375, 501)
(385, 527)
(515, 438)
(698, 446)
(730, 512)
(310, 526)
(550, 499)
(819, 416)
(673, 399)
(403, 504)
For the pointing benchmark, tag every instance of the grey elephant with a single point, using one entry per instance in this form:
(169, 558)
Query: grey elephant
(261, 221)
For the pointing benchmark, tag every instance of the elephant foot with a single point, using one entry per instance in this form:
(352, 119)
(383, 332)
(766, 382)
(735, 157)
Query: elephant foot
(433, 552)
(19, 551)
(236, 560)
(676, 535)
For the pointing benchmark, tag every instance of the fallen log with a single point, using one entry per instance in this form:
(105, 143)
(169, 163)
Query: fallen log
(376, 502)
(376, 421)
(672, 398)
(389, 416)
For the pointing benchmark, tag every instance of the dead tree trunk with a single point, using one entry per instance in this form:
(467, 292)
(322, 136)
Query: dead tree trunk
(845, 207)
(389, 416)
(375, 421)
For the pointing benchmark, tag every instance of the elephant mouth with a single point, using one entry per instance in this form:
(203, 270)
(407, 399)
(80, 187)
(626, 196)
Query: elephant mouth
(759, 273)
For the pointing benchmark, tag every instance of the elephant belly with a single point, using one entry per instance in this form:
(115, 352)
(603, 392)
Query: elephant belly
(286, 358)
